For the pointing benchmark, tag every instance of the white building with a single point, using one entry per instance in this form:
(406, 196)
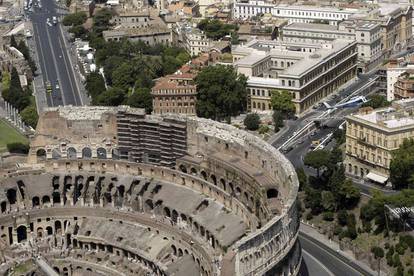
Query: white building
(394, 70)
(195, 41)
(294, 13)
(366, 34)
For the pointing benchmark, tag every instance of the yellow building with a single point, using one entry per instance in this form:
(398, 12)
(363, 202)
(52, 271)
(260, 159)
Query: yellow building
(372, 135)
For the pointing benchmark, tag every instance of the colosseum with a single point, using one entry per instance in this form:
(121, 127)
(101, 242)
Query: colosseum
(112, 191)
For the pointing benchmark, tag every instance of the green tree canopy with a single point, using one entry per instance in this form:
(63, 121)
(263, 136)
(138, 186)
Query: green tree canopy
(221, 92)
(29, 115)
(101, 21)
(215, 29)
(376, 101)
(252, 121)
(111, 97)
(402, 166)
(141, 98)
(277, 117)
(317, 159)
(74, 19)
(95, 85)
(281, 100)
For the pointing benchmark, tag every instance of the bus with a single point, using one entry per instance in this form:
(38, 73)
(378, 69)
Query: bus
(48, 87)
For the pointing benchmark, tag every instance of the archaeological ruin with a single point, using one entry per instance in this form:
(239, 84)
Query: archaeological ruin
(113, 191)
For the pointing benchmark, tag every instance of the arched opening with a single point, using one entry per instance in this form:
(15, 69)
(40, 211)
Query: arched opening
(45, 199)
(56, 197)
(174, 216)
(71, 153)
(21, 233)
(149, 204)
(49, 230)
(174, 249)
(101, 153)
(58, 227)
(56, 154)
(115, 154)
(86, 153)
(12, 196)
(35, 201)
(167, 212)
(180, 252)
(56, 269)
(214, 179)
(183, 168)
(272, 193)
(3, 206)
(41, 155)
(193, 171)
(39, 232)
(222, 184)
(204, 175)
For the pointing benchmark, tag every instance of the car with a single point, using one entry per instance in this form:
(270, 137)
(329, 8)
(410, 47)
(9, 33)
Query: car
(57, 86)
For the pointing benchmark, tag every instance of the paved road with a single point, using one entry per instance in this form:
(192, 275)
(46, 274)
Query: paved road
(53, 57)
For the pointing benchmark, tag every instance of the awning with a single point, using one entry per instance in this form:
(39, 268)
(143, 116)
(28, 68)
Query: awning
(377, 178)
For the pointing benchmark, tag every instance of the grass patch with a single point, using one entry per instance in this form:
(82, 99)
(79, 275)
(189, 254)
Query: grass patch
(24, 267)
(9, 135)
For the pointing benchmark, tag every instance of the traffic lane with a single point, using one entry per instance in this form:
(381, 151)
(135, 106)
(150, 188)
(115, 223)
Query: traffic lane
(49, 73)
(66, 86)
(331, 262)
(312, 267)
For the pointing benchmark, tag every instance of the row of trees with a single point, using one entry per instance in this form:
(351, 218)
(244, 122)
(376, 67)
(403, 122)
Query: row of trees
(18, 97)
(22, 47)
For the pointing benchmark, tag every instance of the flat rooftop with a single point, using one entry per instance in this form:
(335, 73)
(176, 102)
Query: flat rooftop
(388, 117)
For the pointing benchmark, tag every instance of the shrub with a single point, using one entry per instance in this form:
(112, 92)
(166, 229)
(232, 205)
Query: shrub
(408, 240)
(366, 226)
(263, 129)
(400, 248)
(342, 217)
(400, 271)
(337, 230)
(378, 252)
(309, 216)
(328, 216)
(18, 147)
(351, 233)
(252, 121)
(396, 260)
(410, 272)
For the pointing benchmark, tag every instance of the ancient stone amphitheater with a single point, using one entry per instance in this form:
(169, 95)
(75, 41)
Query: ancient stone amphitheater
(112, 191)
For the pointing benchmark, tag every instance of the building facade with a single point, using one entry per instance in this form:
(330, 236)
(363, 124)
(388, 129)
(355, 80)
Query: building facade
(310, 71)
(175, 93)
(404, 86)
(372, 136)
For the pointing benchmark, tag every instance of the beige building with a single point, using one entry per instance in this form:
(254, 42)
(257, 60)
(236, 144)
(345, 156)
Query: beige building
(175, 93)
(372, 135)
(310, 71)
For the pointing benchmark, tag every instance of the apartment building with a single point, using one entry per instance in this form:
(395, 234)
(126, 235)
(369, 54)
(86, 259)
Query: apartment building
(404, 86)
(132, 19)
(195, 41)
(372, 135)
(310, 71)
(366, 34)
(243, 9)
(394, 69)
(175, 93)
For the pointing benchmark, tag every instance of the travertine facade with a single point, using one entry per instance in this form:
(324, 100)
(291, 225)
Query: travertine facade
(226, 207)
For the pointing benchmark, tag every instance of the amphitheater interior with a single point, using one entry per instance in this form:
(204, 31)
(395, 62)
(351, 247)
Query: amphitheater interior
(112, 191)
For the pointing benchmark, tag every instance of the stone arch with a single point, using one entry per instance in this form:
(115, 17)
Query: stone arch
(49, 230)
(86, 153)
(56, 154)
(149, 204)
(272, 193)
(21, 233)
(193, 171)
(180, 252)
(3, 206)
(11, 196)
(214, 179)
(58, 227)
(174, 249)
(174, 216)
(222, 184)
(41, 154)
(101, 153)
(167, 212)
(203, 175)
(115, 154)
(183, 168)
(238, 191)
(35, 201)
(45, 199)
(39, 232)
(56, 269)
(71, 153)
(183, 217)
(56, 197)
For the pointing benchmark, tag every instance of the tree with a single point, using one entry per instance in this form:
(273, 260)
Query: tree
(26, 53)
(18, 147)
(95, 85)
(277, 120)
(101, 21)
(378, 255)
(281, 100)
(122, 76)
(78, 31)
(302, 177)
(317, 159)
(348, 195)
(74, 19)
(252, 121)
(221, 92)
(15, 95)
(342, 217)
(376, 101)
(215, 29)
(402, 165)
(142, 98)
(111, 97)
(29, 115)
(328, 201)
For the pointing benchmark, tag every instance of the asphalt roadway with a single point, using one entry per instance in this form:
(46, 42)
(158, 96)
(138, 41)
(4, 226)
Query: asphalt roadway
(53, 57)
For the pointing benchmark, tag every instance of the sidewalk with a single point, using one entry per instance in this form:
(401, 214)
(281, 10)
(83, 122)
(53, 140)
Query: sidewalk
(312, 232)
